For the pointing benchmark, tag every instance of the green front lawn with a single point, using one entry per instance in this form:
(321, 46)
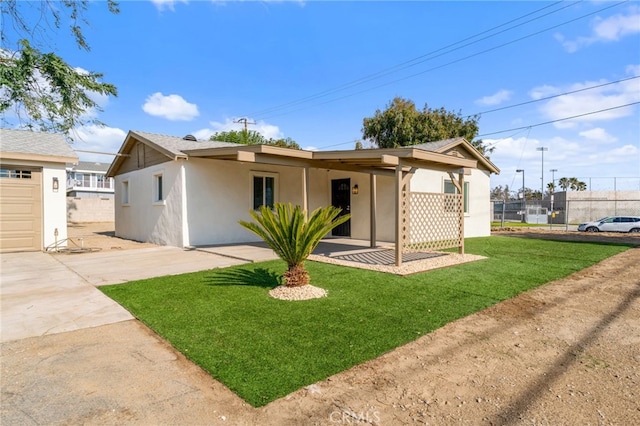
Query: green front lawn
(263, 349)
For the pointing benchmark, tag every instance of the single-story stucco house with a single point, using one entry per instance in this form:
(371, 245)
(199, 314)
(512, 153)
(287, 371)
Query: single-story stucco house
(185, 192)
(33, 196)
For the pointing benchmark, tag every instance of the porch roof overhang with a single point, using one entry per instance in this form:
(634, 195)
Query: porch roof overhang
(399, 163)
(371, 161)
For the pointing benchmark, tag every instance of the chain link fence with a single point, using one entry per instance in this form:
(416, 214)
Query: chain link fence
(569, 208)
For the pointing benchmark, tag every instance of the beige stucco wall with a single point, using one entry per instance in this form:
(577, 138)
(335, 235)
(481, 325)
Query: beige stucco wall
(219, 193)
(142, 219)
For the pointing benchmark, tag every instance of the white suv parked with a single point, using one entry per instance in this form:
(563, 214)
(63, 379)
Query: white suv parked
(612, 224)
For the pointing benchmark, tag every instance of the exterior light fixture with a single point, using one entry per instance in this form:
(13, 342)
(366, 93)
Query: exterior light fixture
(56, 184)
(542, 149)
(355, 189)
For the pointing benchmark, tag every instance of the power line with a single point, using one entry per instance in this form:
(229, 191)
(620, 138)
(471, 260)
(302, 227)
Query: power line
(553, 96)
(529, 127)
(451, 62)
(415, 61)
(560, 119)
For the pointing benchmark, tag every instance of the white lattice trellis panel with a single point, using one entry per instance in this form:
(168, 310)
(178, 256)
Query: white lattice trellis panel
(431, 221)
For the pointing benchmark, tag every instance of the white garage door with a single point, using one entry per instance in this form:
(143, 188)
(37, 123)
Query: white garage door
(20, 209)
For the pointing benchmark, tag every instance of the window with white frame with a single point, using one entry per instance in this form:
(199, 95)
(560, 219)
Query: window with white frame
(450, 188)
(125, 192)
(158, 190)
(264, 190)
(15, 173)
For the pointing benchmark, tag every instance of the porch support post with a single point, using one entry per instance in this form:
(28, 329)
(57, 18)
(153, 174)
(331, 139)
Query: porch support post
(461, 186)
(372, 210)
(398, 214)
(305, 191)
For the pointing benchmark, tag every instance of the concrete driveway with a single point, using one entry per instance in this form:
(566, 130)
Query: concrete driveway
(43, 293)
(71, 355)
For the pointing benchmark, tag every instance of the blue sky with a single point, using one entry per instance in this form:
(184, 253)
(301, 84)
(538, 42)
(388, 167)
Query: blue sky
(313, 70)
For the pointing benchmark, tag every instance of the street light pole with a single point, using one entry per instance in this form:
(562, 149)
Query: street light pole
(551, 195)
(524, 202)
(542, 149)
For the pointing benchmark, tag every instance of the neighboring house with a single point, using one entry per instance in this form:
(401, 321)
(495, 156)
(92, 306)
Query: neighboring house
(33, 209)
(184, 192)
(88, 179)
(89, 193)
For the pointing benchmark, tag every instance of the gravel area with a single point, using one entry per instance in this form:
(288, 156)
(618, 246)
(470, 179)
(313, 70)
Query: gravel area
(304, 292)
(407, 268)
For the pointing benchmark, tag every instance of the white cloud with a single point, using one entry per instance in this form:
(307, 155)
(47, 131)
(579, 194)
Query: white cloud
(588, 101)
(265, 129)
(608, 29)
(633, 70)
(598, 134)
(543, 91)
(171, 107)
(495, 99)
(167, 4)
(100, 139)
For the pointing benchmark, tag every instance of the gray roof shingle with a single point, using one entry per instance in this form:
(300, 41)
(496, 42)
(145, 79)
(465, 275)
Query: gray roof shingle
(90, 166)
(177, 145)
(29, 142)
(433, 146)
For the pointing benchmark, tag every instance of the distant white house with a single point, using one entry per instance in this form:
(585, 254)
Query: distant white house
(89, 179)
(33, 213)
(185, 192)
(89, 193)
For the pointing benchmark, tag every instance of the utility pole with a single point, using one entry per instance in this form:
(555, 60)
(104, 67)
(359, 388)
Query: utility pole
(553, 186)
(245, 121)
(524, 201)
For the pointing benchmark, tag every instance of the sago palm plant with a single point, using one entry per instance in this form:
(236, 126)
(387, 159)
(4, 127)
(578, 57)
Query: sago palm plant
(291, 236)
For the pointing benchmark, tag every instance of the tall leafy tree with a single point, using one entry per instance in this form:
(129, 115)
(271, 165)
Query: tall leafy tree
(251, 137)
(40, 90)
(401, 124)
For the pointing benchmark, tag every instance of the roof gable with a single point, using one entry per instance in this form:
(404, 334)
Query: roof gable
(39, 146)
(172, 147)
(458, 147)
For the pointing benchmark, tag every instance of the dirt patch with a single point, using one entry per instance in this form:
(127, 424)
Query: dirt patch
(560, 235)
(98, 236)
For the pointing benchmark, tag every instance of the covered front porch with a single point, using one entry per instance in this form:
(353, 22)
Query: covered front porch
(355, 253)
(422, 222)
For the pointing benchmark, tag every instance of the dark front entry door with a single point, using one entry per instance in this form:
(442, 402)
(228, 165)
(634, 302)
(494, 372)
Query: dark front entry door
(341, 198)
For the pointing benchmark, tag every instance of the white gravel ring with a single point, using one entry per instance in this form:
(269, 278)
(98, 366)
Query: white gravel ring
(304, 292)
